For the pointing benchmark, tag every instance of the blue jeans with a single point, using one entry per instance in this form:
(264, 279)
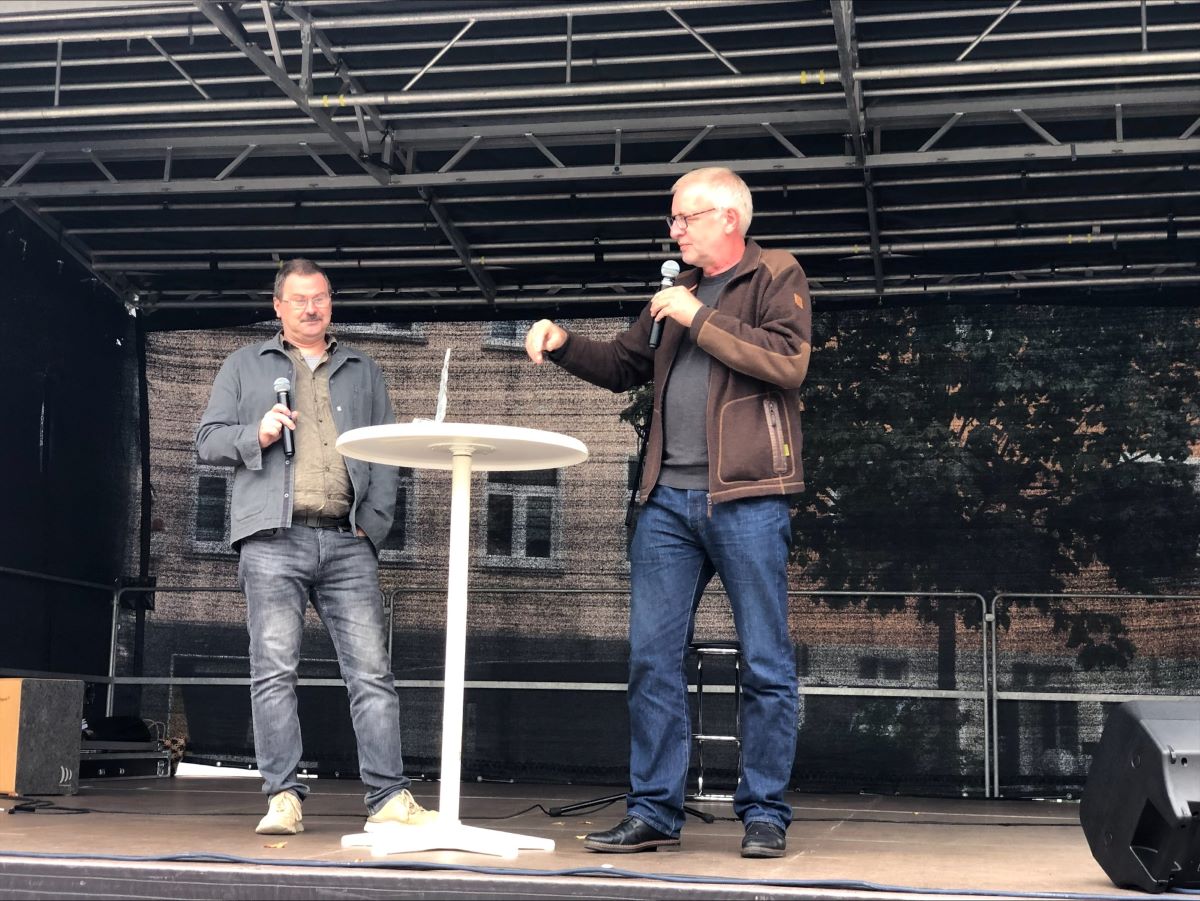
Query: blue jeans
(279, 573)
(676, 549)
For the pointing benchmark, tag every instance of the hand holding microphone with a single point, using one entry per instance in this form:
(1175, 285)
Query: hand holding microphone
(672, 302)
(669, 270)
(280, 419)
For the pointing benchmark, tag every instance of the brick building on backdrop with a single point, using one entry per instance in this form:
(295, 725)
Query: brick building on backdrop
(549, 593)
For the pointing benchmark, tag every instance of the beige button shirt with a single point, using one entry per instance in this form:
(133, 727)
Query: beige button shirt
(321, 484)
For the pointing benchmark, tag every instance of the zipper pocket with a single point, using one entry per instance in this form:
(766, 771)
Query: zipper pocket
(779, 448)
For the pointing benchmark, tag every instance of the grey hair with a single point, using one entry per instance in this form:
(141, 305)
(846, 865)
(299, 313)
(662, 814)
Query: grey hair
(726, 188)
(299, 266)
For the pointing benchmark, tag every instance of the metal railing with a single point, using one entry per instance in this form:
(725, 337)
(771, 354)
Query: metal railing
(981, 695)
(1000, 604)
(991, 654)
(393, 597)
(114, 680)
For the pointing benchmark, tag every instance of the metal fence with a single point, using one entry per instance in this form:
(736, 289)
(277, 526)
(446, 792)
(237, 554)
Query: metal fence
(1063, 660)
(1029, 675)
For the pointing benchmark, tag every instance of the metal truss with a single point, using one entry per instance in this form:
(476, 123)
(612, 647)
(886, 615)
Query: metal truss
(463, 155)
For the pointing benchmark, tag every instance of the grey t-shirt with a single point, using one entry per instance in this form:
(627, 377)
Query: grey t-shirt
(685, 403)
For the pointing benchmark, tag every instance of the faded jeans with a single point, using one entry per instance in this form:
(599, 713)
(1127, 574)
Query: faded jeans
(676, 549)
(279, 573)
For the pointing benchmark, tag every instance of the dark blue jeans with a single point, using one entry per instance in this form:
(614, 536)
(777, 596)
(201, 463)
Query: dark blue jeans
(279, 573)
(676, 549)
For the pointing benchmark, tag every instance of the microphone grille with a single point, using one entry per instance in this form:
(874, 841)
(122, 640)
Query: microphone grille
(282, 384)
(670, 269)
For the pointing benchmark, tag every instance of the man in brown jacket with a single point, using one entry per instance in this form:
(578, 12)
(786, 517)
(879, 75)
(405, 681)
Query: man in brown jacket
(722, 457)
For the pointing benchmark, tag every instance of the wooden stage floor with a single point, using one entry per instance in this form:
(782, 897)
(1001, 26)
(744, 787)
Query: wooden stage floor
(193, 837)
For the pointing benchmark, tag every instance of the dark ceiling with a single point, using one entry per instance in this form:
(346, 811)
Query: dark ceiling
(463, 159)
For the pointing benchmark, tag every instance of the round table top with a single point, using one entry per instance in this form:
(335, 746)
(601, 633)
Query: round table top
(426, 444)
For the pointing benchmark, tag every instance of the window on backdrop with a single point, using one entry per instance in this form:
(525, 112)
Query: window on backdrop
(524, 519)
(210, 520)
(399, 544)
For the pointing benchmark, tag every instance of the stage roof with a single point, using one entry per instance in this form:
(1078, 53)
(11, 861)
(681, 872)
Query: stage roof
(514, 159)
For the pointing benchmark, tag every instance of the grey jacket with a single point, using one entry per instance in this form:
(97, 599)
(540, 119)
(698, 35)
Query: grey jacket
(262, 482)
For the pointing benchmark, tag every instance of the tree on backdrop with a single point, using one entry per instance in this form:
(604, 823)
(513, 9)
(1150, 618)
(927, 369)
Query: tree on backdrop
(1003, 448)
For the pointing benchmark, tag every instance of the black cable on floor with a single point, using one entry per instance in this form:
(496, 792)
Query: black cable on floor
(509, 816)
(37, 805)
(583, 808)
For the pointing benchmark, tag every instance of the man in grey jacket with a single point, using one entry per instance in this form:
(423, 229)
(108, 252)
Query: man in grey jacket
(307, 527)
(722, 457)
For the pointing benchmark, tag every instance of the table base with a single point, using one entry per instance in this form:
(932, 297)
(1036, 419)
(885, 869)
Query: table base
(439, 836)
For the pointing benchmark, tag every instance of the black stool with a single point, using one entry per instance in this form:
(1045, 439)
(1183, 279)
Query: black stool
(700, 735)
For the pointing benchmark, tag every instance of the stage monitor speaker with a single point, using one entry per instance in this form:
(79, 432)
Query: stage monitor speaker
(40, 725)
(1141, 804)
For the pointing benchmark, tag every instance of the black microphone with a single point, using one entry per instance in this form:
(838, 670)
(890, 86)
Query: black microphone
(669, 270)
(283, 395)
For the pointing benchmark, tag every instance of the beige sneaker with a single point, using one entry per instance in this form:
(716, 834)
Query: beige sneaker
(283, 816)
(401, 809)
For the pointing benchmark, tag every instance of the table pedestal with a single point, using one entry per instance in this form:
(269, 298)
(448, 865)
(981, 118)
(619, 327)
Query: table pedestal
(445, 836)
(446, 832)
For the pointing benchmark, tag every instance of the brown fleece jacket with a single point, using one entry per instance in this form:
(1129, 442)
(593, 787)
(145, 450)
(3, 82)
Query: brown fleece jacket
(759, 338)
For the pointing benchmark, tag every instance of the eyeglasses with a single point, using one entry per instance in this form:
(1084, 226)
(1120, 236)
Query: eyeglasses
(682, 220)
(320, 301)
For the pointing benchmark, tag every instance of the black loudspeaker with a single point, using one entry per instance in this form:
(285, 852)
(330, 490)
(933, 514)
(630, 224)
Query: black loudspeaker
(1141, 805)
(40, 726)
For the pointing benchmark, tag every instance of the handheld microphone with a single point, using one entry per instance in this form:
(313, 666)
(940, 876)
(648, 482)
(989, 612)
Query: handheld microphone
(283, 395)
(669, 270)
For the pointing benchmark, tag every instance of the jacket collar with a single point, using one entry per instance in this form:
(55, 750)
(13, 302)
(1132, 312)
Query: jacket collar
(339, 354)
(275, 344)
(748, 263)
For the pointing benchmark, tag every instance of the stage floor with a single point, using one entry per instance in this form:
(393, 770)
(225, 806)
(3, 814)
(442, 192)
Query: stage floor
(195, 837)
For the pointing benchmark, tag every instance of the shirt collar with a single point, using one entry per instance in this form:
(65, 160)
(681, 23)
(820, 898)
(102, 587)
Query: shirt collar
(331, 342)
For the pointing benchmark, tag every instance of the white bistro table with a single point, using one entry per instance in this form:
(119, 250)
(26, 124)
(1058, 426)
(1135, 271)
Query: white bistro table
(460, 448)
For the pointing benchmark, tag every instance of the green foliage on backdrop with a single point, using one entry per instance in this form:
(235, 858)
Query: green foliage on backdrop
(1003, 448)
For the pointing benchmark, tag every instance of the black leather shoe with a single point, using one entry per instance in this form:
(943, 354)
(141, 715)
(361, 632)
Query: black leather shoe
(763, 840)
(629, 835)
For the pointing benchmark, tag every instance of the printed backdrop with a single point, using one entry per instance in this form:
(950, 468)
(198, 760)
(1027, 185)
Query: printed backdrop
(953, 454)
